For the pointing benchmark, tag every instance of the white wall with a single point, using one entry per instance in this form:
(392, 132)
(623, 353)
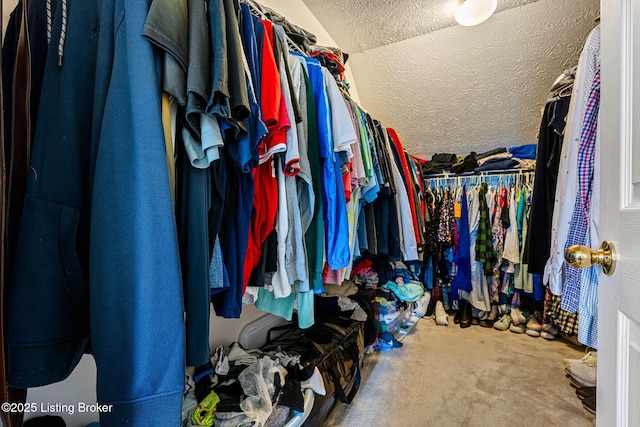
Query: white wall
(463, 89)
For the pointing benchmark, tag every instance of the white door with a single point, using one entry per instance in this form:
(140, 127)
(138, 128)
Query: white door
(618, 399)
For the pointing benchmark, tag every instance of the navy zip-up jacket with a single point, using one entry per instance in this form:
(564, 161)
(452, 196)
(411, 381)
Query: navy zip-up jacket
(97, 257)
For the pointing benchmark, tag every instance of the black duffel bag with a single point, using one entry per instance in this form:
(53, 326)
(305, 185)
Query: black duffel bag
(336, 348)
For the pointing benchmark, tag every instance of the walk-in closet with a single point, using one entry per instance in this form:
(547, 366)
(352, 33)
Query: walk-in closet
(282, 213)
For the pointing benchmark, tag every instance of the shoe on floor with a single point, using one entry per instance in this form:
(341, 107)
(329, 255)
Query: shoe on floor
(441, 315)
(533, 333)
(589, 404)
(461, 305)
(486, 323)
(533, 324)
(547, 335)
(584, 392)
(504, 323)
(551, 328)
(493, 314)
(518, 329)
(589, 358)
(431, 308)
(583, 374)
(466, 317)
(420, 308)
(517, 316)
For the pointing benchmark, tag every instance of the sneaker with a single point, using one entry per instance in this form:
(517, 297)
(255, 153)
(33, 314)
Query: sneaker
(589, 358)
(583, 374)
(547, 335)
(420, 308)
(441, 315)
(551, 328)
(533, 333)
(517, 316)
(504, 323)
(533, 324)
(518, 329)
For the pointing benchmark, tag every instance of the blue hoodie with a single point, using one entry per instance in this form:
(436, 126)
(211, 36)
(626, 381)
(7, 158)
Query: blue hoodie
(97, 265)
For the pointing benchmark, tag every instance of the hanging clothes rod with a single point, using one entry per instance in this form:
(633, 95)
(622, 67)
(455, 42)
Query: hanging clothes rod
(499, 178)
(447, 175)
(255, 9)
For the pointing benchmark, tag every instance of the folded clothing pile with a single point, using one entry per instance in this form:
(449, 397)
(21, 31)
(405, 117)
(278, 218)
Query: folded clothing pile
(520, 157)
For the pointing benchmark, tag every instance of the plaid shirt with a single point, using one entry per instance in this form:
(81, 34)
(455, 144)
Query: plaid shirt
(484, 242)
(565, 321)
(579, 228)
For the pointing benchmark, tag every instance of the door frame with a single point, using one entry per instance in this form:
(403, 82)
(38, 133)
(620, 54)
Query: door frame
(616, 195)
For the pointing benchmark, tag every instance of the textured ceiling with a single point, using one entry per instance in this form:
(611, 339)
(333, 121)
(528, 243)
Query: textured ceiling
(457, 89)
(360, 25)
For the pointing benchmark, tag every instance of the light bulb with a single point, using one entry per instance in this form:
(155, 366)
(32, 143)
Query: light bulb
(474, 12)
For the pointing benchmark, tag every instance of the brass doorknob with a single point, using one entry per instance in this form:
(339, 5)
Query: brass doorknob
(579, 256)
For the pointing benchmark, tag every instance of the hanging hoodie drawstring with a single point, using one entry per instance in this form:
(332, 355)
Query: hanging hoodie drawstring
(63, 33)
(48, 22)
(63, 29)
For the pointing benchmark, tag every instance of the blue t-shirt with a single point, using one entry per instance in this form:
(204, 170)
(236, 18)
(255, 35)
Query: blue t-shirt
(333, 199)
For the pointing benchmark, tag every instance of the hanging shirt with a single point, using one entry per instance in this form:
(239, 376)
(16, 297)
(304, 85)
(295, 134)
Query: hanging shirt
(314, 236)
(281, 283)
(497, 229)
(479, 295)
(333, 199)
(580, 220)
(522, 278)
(276, 119)
(229, 98)
(484, 247)
(342, 129)
(462, 256)
(408, 242)
(549, 146)
(511, 244)
(292, 153)
(272, 104)
(404, 168)
(358, 176)
(306, 194)
(567, 175)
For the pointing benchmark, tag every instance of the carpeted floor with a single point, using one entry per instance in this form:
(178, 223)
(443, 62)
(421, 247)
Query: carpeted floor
(448, 376)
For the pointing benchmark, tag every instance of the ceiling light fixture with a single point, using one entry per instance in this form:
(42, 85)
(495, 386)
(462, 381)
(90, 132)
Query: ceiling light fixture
(474, 12)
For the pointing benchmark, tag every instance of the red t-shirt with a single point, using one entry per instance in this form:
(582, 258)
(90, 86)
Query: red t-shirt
(395, 140)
